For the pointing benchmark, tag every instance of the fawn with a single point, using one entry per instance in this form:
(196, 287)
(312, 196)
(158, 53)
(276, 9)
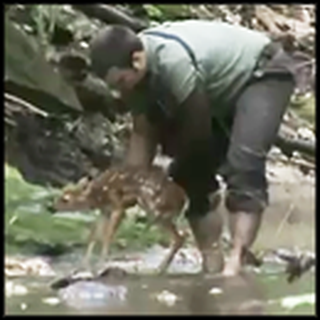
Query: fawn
(120, 188)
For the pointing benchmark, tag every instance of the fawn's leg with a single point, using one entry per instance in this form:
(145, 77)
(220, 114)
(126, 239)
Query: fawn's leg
(178, 241)
(110, 229)
(91, 244)
(96, 233)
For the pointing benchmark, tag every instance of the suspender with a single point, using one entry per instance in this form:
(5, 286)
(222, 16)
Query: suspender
(161, 103)
(178, 39)
(192, 57)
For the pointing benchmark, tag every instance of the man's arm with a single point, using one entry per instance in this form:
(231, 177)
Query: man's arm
(143, 142)
(194, 118)
(193, 110)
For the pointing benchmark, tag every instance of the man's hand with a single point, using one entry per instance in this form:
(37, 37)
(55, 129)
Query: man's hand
(143, 142)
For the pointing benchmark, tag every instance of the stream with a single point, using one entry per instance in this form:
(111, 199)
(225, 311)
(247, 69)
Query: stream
(54, 247)
(182, 291)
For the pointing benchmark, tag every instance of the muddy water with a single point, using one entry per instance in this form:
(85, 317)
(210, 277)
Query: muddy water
(182, 291)
(289, 222)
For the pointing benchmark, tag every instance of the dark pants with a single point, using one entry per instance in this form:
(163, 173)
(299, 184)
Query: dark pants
(240, 145)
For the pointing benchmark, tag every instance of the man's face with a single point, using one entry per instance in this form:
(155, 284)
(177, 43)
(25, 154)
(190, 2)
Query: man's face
(122, 81)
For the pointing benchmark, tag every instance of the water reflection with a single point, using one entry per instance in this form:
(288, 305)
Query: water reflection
(142, 294)
(216, 295)
(187, 294)
(247, 294)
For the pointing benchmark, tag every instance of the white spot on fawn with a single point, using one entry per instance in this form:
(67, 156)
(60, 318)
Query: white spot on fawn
(66, 197)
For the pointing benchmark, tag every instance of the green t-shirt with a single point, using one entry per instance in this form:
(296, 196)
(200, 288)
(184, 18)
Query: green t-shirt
(226, 56)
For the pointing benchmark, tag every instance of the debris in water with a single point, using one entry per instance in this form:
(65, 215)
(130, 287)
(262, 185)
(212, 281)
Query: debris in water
(51, 301)
(167, 298)
(70, 279)
(91, 294)
(15, 289)
(188, 257)
(257, 270)
(306, 134)
(294, 301)
(215, 290)
(35, 266)
(82, 275)
(23, 306)
(297, 263)
(110, 273)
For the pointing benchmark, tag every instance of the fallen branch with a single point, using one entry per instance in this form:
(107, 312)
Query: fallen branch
(13, 101)
(284, 220)
(288, 146)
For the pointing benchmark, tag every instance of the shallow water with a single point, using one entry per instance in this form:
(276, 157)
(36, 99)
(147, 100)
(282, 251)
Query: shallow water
(182, 291)
(289, 222)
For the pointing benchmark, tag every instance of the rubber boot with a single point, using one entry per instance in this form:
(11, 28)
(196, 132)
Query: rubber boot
(207, 230)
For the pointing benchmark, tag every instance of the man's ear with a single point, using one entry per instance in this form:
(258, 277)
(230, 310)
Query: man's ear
(139, 60)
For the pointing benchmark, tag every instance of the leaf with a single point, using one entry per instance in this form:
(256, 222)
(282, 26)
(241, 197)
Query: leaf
(153, 11)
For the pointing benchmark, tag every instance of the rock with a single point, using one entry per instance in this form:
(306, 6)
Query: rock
(306, 134)
(22, 267)
(93, 295)
(47, 151)
(107, 275)
(87, 291)
(13, 289)
(167, 298)
(28, 75)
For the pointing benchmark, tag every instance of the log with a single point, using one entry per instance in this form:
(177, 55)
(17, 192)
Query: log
(289, 145)
(111, 15)
(288, 140)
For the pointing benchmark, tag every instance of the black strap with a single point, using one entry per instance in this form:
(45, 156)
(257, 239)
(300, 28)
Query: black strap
(176, 38)
(190, 53)
(161, 97)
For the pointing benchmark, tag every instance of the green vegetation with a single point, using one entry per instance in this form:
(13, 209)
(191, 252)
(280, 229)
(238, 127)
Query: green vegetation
(305, 108)
(30, 228)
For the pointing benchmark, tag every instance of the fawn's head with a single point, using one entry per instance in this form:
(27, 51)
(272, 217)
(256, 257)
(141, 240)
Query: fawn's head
(73, 198)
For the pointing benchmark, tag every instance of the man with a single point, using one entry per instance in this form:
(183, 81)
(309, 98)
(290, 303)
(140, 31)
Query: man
(213, 96)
